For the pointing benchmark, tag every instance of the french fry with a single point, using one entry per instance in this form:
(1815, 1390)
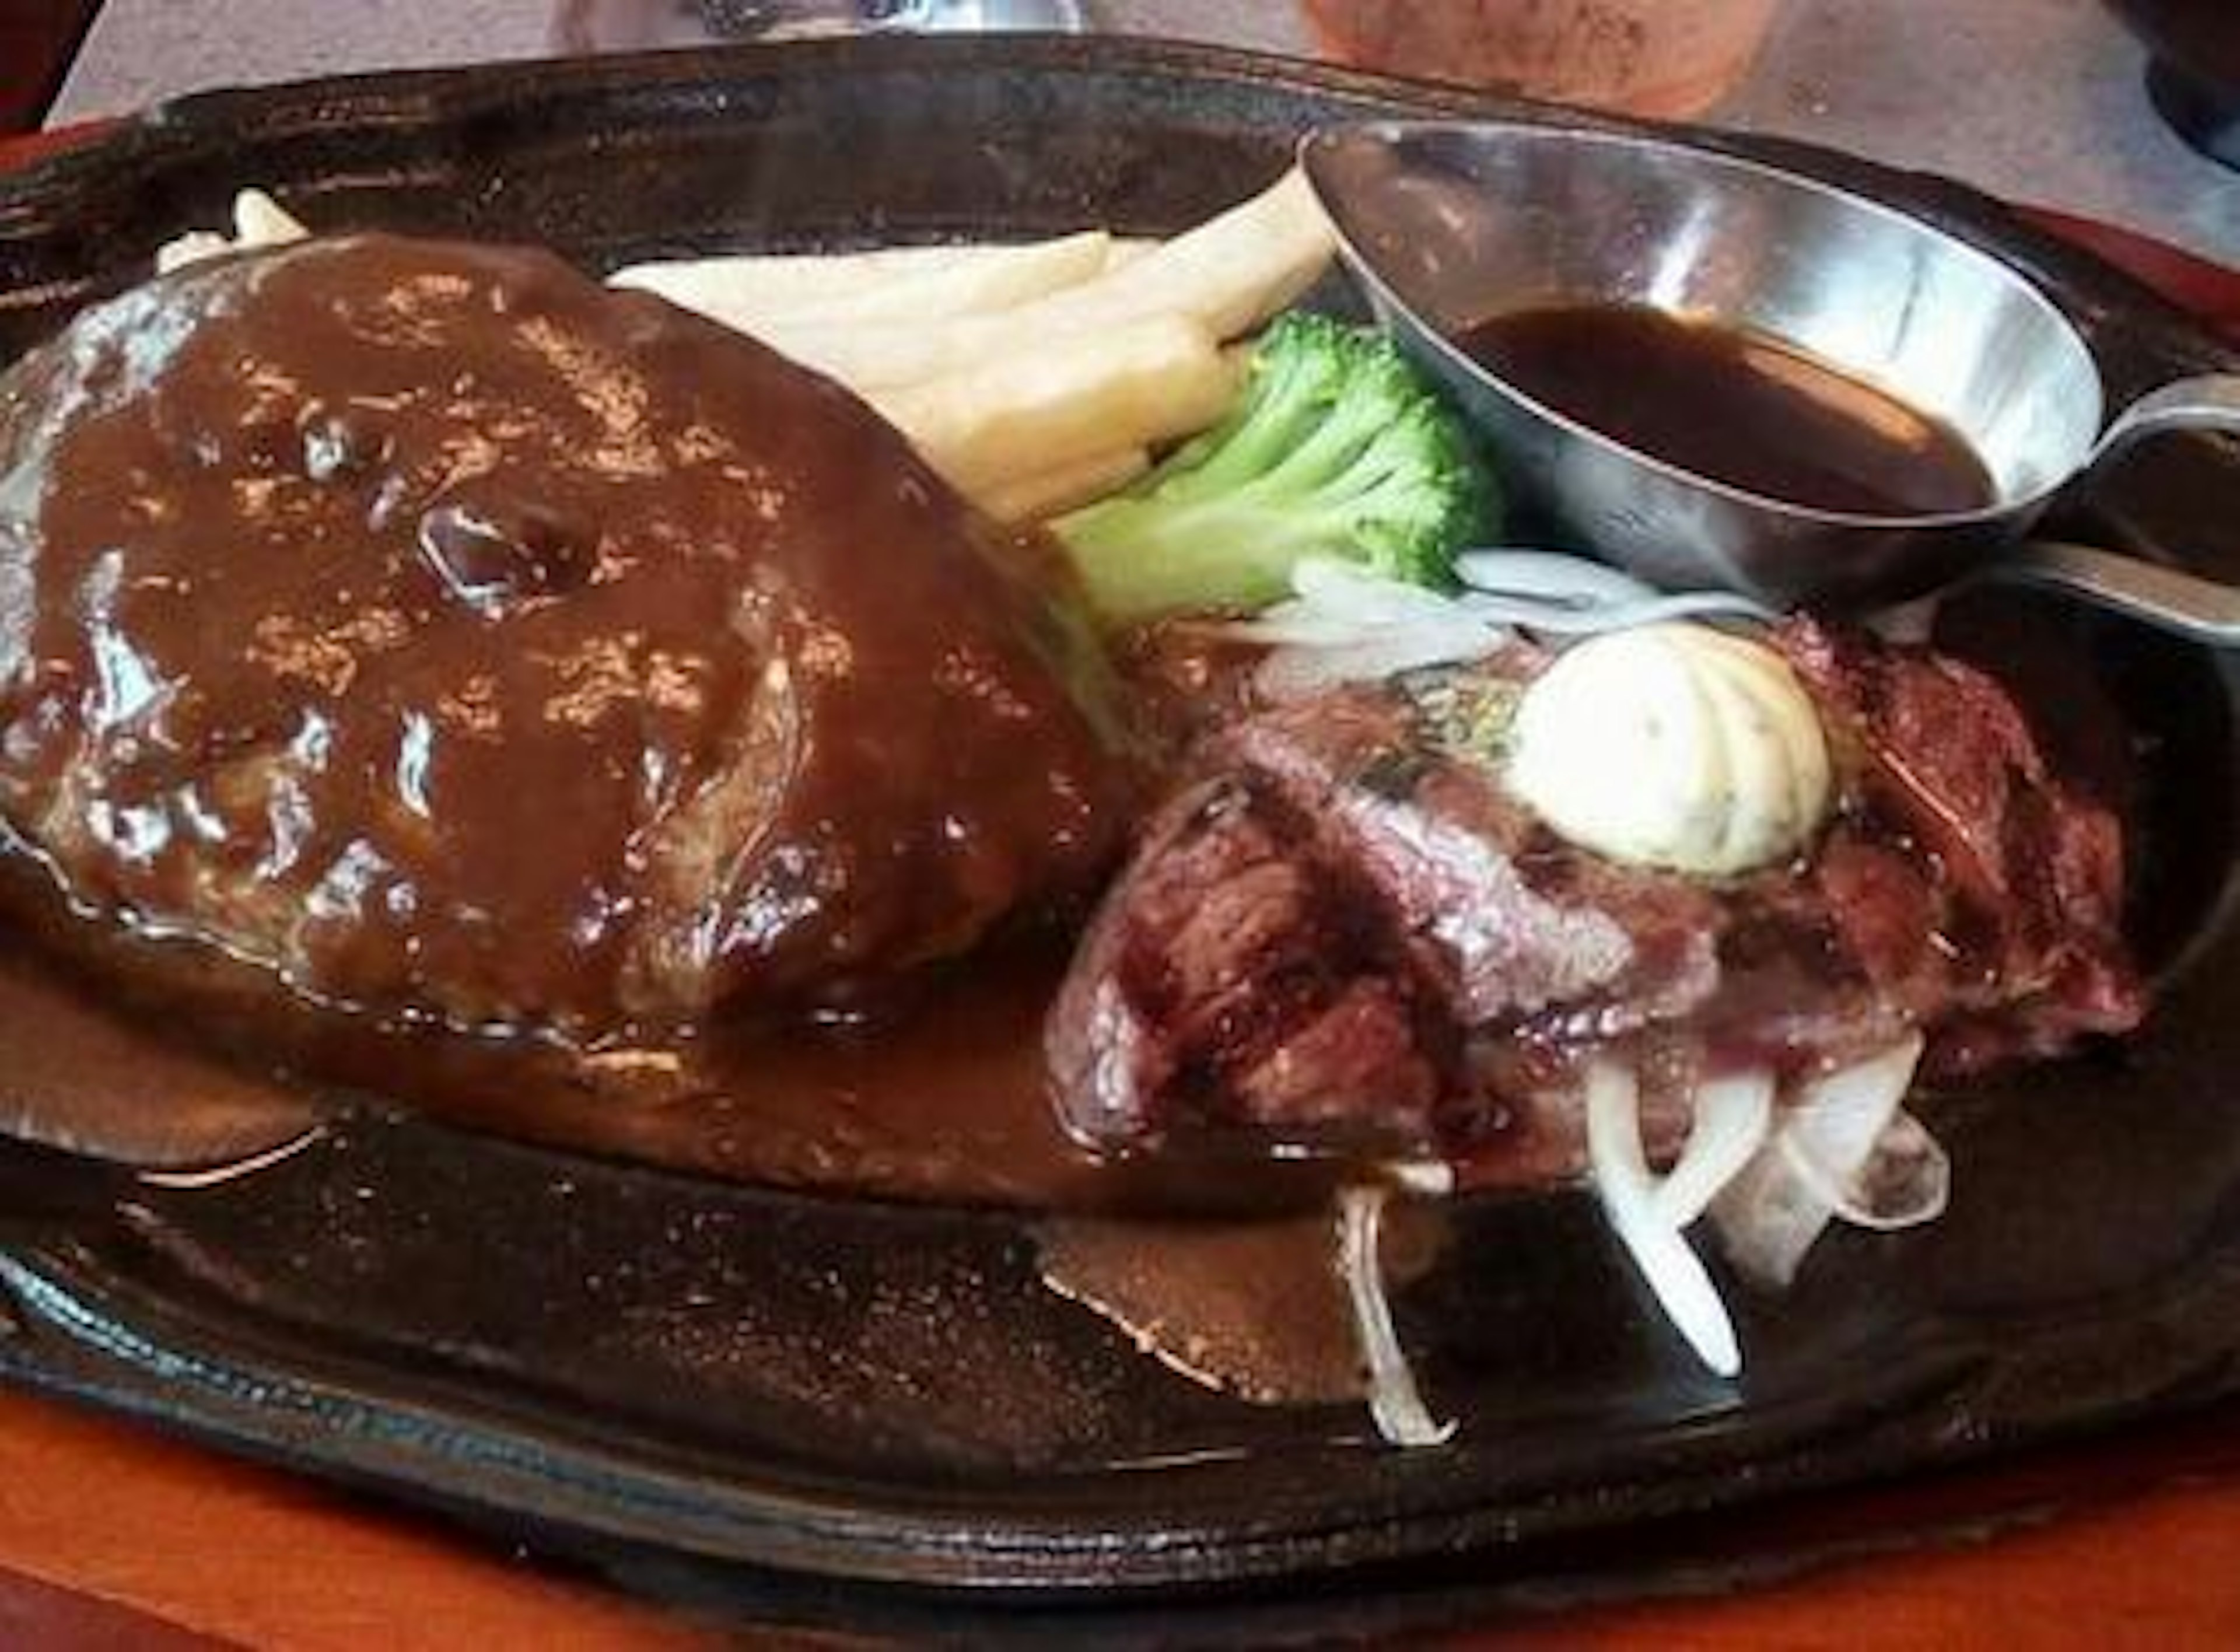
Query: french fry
(1231, 273)
(258, 221)
(1032, 412)
(974, 286)
(193, 247)
(1228, 275)
(1075, 482)
(879, 358)
(751, 293)
(780, 279)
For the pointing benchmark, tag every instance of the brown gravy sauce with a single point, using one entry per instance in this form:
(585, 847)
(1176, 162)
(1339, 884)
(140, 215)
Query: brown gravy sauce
(77, 1076)
(1254, 1309)
(158, 1054)
(1258, 1310)
(946, 1106)
(942, 1103)
(1736, 407)
(187, 1063)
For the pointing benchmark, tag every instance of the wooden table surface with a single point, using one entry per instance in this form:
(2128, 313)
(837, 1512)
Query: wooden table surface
(111, 1537)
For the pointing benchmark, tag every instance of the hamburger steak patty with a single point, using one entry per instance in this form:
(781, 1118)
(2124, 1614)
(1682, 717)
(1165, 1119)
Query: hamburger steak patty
(457, 639)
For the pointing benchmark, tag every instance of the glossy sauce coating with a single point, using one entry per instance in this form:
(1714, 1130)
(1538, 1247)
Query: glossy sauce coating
(1736, 407)
(464, 642)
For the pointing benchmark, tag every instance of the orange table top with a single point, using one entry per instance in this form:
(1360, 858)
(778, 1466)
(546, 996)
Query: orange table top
(113, 1536)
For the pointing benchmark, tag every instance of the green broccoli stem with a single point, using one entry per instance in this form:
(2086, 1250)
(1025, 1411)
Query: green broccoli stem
(1136, 563)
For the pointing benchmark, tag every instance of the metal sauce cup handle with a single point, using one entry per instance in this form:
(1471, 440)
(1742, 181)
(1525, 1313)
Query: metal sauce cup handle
(2208, 402)
(2203, 610)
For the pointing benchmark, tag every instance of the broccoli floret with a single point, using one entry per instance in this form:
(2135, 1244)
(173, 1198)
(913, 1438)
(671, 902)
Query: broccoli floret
(1338, 447)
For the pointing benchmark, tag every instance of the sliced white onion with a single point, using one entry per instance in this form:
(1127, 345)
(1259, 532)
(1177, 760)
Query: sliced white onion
(1516, 571)
(1294, 624)
(1906, 1180)
(1561, 619)
(1340, 588)
(1425, 1178)
(1394, 1401)
(1820, 1162)
(1733, 1116)
(1343, 625)
(1346, 626)
(1298, 673)
(213, 1175)
(1675, 1275)
(1574, 593)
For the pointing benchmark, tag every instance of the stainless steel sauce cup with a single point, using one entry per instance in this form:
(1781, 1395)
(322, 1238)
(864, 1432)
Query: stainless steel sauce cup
(1446, 223)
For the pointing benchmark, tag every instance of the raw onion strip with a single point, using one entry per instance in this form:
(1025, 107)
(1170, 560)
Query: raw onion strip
(212, 1176)
(1516, 570)
(1343, 625)
(1733, 1116)
(1905, 1180)
(1425, 1178)
(1558, 619)
(1815, 1166)
(1574, 593)
(1341, 586)
(1298, 673)
(1395, 1402)
(1675, 1275)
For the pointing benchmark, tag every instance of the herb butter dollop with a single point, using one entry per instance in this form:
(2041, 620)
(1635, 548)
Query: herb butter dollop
(1674, 746)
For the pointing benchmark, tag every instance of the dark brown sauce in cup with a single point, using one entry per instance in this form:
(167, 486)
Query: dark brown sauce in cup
(1736, 407)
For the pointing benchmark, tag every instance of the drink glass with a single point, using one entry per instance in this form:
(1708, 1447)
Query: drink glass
(1665, 59)
(628, 25)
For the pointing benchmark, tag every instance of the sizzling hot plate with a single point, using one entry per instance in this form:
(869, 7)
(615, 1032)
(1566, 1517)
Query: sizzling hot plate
(622, 1359)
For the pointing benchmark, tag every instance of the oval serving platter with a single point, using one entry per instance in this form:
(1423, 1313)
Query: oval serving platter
(621, 1360)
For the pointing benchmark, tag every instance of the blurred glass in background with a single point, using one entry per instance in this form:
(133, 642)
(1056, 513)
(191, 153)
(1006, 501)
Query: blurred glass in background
(2195, 77)
(2032, 100)
(1667, 59)
(630, 25)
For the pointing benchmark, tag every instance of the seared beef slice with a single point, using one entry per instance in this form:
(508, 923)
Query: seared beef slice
(1348, 932)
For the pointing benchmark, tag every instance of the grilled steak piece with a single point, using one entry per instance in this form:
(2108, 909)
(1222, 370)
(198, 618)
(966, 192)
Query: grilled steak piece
(458, 639)
(1346, 932)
